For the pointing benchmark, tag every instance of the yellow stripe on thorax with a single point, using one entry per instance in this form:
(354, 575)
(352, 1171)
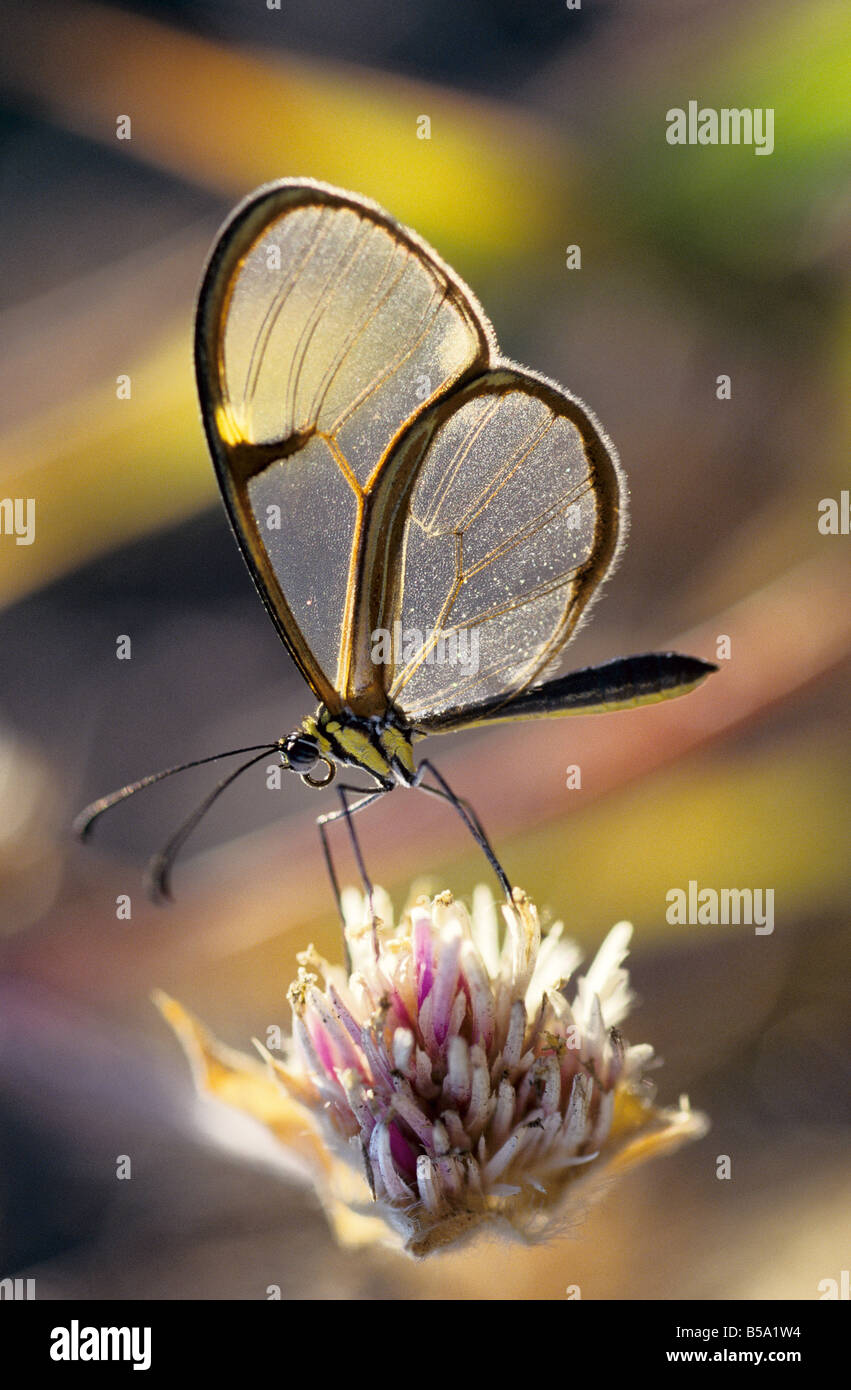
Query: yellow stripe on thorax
(398, 746)
(360, 749)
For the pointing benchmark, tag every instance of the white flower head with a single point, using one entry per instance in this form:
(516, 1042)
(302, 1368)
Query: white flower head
(454, 1079)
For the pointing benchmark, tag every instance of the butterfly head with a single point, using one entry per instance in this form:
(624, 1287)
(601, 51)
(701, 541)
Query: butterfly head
(300, 753)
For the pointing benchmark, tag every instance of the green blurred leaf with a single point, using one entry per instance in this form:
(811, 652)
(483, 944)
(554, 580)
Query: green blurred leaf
(755, 213)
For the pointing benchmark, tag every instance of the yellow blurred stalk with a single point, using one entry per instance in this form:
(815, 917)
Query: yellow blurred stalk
(104, 470)
(231, 119)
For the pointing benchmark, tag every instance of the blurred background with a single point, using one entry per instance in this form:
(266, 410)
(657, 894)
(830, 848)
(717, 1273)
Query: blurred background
(547, 130)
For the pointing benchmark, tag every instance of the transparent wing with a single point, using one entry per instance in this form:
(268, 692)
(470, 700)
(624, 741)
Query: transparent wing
(499, 516)
(324, 328)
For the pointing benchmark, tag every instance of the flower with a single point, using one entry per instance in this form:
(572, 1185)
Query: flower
(446, 1082)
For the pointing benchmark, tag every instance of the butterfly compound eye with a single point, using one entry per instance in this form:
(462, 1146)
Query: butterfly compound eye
(301, 753)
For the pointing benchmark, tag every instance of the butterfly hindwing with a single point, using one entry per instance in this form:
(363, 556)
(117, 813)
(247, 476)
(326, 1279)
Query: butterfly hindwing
(494, 522)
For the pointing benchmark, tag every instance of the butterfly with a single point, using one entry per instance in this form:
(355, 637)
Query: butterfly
(426, 521)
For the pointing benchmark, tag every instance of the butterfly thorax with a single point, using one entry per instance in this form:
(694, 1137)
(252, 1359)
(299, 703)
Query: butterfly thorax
(378, 744)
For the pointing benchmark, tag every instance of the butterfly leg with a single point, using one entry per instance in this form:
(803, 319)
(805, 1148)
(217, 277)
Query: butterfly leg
(468, 816)
(347, 811)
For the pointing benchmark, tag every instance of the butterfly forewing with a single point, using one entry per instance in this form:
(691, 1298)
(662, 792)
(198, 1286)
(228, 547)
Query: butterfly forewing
(324, 330)
(500, 514)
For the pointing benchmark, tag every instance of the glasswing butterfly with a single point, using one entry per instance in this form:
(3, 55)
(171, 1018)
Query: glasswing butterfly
(386, 471)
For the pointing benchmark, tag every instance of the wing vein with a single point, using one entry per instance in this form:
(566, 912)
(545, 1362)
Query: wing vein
(531, 528)
(337, 273)
(275, 309)
(373, 307)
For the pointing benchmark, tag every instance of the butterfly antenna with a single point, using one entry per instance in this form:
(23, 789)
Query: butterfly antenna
(87, 817)
(160, 867)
